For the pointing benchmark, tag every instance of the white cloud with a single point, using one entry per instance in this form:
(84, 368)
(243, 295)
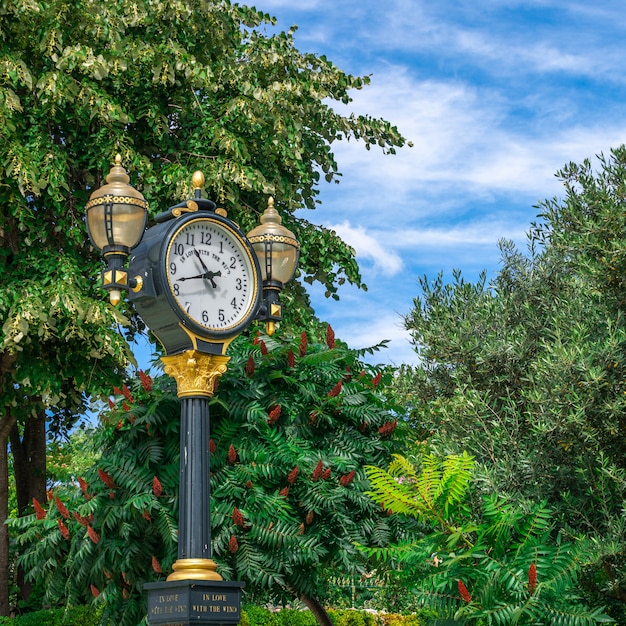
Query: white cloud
(387, 327)
(462, 37)
(505, 55)
(495, 97)
(368, 247)
(365, 320)
(465, 141)
(471, 235)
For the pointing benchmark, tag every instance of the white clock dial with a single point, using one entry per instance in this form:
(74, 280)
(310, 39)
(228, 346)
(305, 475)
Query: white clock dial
(211, 274)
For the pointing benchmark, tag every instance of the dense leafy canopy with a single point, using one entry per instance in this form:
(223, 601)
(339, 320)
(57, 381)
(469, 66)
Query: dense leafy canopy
(528, 374)
(293, 425)
(498, 565)
(174, 86)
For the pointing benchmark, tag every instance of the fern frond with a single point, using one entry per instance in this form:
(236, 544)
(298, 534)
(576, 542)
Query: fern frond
(455, 480)
(427, 495)
(392, 495)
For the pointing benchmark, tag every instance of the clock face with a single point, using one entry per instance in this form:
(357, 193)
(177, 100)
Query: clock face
(212, 276)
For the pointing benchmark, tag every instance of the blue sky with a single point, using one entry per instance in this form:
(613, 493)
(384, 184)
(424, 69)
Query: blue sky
(496, 96)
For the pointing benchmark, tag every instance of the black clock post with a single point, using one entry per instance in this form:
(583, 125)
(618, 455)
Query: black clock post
(194, 593)
(196, 281)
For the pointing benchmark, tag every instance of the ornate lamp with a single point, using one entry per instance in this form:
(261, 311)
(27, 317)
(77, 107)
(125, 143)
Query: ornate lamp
(196, 283)
(116, 220)
(277, 250)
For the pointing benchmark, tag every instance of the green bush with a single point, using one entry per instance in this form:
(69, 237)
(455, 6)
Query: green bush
(257, 616)
(250, 616)
(73, 616)
(294, 617)
(350, 617)
(396, 619)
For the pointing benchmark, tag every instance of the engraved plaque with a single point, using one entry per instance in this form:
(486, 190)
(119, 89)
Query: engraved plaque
(181, 603)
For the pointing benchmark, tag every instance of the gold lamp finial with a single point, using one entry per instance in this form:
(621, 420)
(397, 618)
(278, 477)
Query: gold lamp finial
(197, 180)
(117, 173)
(271, 215)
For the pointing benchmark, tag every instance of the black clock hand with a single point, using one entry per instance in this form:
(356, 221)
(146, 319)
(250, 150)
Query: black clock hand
(204, 267)
(209, 275)
(190, 277)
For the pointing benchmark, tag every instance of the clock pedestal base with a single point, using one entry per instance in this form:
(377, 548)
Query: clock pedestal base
(200, 602)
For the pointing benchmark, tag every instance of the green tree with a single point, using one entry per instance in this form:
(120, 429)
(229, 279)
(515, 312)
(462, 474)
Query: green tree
(528, 373)
(173, 86)
(67, 458)
(499, 566)
(294, 422)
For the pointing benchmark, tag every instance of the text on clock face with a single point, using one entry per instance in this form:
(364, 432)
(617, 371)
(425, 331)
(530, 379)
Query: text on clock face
(184, 254)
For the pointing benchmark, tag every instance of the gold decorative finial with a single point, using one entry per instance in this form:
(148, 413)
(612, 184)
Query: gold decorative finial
(118, 173)
(197, 180)
(271, 215)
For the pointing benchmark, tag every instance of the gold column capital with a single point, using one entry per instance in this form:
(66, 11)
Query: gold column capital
(195, 372)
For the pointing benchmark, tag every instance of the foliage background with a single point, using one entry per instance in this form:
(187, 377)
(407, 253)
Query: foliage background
(527, 374)
(294, 422)
(174, 87)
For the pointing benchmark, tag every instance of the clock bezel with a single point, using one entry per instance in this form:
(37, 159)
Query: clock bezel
(255, 280)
